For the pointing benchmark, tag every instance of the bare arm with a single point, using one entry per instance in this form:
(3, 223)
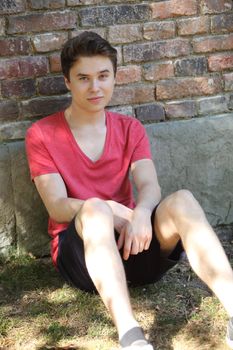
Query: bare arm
(53, 193)
(137, 234)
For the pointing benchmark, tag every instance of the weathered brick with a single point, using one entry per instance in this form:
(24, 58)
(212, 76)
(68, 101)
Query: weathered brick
(14, 46)
(52, 85)
(213, 105)
(158, 71)
(41, 107)
(128, 74)
(222, 23)
(220, 62)
(230, 104)
(127, 110)
(132, 94)
(110, 15)
(191, 66)
(11, 6)
(55, 62)
(159, 30)
(174, 8)
(83, 2)
(192, 26)
(49, 41)
(125, 33)
(23, 67)
(180, 109)
(215, 43)
(216, 6)
(13, 130)
(18, 88)
(46, 4)
(100, 31)
(156, 50)
(228, 80)
(38, 22)
(188, 87)
(2, 26)
(151, 112)
(9, 110)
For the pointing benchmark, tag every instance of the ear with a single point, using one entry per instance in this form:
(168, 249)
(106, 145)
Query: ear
(67, 82)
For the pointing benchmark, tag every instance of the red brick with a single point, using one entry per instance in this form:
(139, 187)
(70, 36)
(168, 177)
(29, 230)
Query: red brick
(38, 22)
(9, 110)
(46, 4)
(174, 8)
(23, 67)
(41, 107)
(228, 80)
(181, 109)
(133, 94)
(159, 30)
(125, 33)
(100, 31)
(158, 71)
(55, 63)
(220, 62)
(215, 43)
(54, 85)
(8, 7)
(188, 87)
(18, 88)
(192, 26)
(156, 50)
(150, 113)
(14, 46)
(128, 74)
(83, 2)
(216, 6)
(49, 41)
(222, 23)
(2, 26)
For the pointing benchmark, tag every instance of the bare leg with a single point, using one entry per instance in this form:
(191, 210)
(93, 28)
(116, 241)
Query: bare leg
(94, 223)
(180, 216)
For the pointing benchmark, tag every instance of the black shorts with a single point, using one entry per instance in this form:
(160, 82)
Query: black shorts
(143, 268)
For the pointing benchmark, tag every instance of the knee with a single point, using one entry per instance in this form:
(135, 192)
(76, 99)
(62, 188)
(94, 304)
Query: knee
(184, 202)
(95, 207)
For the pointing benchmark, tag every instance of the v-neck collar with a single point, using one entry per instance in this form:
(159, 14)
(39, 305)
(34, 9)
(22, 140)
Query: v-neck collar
(75, 145)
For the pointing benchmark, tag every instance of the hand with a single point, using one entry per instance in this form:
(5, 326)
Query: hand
(136, 234)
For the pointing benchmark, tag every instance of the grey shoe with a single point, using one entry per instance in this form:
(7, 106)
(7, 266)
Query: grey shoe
(229, 337)
(139, 347)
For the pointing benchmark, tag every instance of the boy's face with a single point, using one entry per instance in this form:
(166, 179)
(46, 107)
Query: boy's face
(91, 83)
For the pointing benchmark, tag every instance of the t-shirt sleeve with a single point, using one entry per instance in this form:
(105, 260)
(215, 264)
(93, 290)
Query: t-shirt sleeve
(39, 160)
(141, 144)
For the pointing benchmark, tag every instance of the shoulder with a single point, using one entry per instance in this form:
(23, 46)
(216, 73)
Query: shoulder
(45, 125)
(124, 121)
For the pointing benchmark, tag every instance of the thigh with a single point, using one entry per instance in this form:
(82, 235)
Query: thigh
(71, 260)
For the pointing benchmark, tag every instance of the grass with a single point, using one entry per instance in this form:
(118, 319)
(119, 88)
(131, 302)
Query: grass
(38, 311)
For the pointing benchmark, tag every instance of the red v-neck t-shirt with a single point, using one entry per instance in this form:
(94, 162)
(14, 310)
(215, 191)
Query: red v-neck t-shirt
(52, 148)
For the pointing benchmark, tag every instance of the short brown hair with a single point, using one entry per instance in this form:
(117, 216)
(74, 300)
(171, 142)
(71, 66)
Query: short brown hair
(86, 44)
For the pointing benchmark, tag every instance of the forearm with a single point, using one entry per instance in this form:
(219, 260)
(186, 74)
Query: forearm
(64, 209)
(148, 197)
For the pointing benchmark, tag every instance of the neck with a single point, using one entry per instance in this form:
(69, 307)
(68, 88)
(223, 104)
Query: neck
(77, 118)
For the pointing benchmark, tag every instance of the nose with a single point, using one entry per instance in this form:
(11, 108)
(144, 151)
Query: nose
(95, 85)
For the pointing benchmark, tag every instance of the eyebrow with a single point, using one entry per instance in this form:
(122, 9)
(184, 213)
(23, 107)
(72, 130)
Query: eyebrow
(100, 72)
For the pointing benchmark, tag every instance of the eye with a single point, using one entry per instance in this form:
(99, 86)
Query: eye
(103, 76)
(83, 78)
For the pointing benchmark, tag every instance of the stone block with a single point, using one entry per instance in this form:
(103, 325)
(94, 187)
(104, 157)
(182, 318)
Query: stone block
(7, 217)
(197, 155)
(30, 214)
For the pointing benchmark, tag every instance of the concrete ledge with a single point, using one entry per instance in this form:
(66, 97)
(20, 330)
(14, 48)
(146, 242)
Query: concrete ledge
(193, 154)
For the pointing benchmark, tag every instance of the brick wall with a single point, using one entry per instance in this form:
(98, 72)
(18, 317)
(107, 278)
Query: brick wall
(175, 57)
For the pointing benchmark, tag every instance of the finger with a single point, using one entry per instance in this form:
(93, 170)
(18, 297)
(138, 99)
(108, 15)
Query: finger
(147, 244)
(127, 247)
(121, 238)
(135, 247)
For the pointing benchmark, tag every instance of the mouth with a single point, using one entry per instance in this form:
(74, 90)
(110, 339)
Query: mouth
(95, 99)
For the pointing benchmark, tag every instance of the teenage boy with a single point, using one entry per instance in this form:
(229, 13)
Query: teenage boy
(80, 160)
